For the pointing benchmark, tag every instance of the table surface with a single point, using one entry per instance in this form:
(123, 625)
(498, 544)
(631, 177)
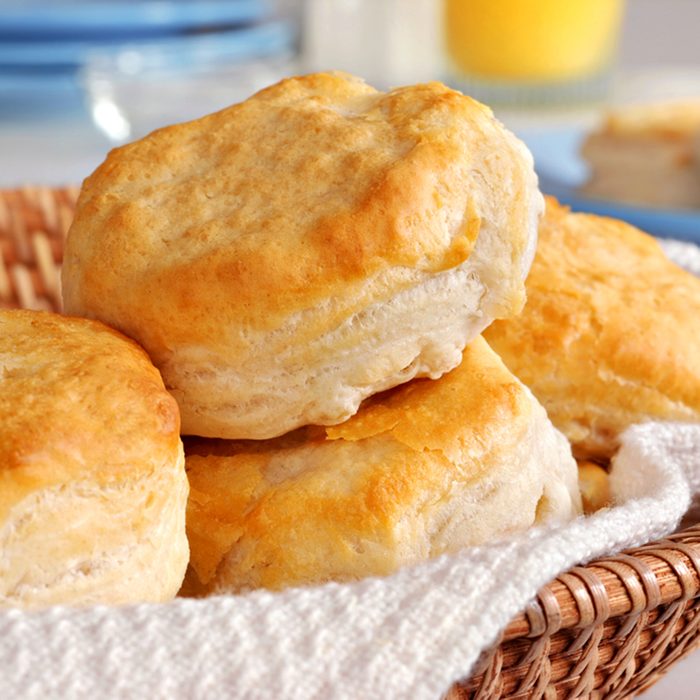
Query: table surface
(31, 152)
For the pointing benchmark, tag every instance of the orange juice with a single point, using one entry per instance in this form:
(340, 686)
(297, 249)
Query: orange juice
(531, 40)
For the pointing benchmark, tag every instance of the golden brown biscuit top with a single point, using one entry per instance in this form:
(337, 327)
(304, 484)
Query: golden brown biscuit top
(664, 119)
(78, 402)
(467, 405)
(302, 192)
(610, 332)
(414, 439)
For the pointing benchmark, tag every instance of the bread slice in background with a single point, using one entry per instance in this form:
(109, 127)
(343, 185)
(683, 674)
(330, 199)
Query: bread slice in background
(647, 155)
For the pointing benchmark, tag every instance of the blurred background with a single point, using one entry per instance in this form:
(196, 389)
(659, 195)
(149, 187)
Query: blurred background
(80, 76)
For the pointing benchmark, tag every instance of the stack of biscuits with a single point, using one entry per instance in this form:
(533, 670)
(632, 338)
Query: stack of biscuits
(310, 271)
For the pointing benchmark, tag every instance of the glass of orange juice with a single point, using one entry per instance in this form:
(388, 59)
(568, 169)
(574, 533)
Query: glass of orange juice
(532, 50)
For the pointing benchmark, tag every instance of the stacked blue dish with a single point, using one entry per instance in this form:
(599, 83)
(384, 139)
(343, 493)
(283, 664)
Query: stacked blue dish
(47, 47)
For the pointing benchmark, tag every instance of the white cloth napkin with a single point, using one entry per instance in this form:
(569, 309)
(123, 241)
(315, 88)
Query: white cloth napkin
(409, 635)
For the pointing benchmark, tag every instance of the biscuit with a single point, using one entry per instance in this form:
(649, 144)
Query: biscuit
(610, 333)
(285, 258)
(594, 484)
(426, 468)
(643, 154)
(92, 480)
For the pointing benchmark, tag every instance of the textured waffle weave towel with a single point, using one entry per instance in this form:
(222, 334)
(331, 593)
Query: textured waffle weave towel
(409, 635)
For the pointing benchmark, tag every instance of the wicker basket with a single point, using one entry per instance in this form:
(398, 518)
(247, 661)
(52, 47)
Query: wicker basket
(605, 630)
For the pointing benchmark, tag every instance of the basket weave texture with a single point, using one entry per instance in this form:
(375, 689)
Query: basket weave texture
(609, 629)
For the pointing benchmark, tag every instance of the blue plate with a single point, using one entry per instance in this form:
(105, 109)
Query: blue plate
(562, 172)
(41, 18)
(33, 96)
(263, 39)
